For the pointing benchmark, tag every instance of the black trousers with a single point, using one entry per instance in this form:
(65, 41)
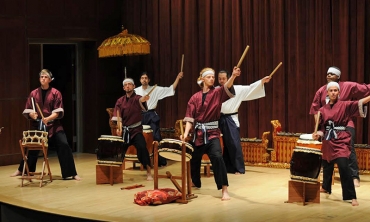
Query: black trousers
(138, 141)
(64, 152)
(353, 165)
(213, 150)
(151, 118)
(348, 188)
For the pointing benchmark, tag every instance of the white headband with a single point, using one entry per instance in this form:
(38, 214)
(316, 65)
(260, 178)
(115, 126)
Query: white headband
(334, 71)
(128, 80)
(330, 84)
(208, 72)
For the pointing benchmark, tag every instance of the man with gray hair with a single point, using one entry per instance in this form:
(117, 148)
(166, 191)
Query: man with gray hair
(348, 91)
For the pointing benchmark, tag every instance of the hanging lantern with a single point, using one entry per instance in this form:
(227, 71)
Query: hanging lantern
(124, 44)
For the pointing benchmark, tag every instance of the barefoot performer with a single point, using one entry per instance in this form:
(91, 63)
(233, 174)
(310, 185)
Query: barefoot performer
(203, 111)
(336, 139)
(127, 112)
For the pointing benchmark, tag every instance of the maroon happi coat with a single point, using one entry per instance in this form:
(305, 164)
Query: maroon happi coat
(208, 112)
(130, 109)
(53, 104)
(340, 114)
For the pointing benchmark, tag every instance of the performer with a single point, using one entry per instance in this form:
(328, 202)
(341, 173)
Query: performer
(150, 117)
(336, 140)
(349, 91)
(130, 107)
(203, 111)
(229, 122)
(51, 104)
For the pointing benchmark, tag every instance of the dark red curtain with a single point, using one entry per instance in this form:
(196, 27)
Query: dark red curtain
(307, 36)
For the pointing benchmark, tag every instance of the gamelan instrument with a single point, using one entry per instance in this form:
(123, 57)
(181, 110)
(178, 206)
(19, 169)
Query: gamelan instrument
(172, 149)
(305, 164)
(110, 150)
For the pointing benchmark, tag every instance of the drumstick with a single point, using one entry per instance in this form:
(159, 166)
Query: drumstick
(317, 121)
(182, 62)
(276, 69)
(242, 58)
(38, 108)
(132, 187)
(33, 105)
(118, 121)
(182, 129)
(151, 90)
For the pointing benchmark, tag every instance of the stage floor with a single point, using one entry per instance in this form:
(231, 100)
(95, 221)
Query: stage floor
(259, 195)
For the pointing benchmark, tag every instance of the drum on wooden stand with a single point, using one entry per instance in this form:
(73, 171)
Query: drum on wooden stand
(305, 164)
(110, 150)
(35, 137)
(172, 149)
(131, 153)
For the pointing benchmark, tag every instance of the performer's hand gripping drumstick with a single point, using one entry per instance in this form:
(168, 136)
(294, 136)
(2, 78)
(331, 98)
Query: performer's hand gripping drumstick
(182, 130)
(277, 67)
(242, 58)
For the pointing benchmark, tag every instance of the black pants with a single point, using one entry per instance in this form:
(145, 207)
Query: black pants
(138, 141)
(213, 150)
(151, 118)
(348, 188)
(353, 165)
(64, 152)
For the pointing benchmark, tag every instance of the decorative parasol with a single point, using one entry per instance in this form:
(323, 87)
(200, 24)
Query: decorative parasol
(124, 44)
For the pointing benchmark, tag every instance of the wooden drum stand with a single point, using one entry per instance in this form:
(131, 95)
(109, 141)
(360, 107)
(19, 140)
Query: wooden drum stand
(185, 175)
(26, 174)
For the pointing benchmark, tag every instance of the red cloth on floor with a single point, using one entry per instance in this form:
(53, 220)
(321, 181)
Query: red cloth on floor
(156, 197)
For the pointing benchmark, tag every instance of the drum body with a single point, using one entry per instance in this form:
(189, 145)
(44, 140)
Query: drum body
(305, 164)
(131, 152)
(110, 150)
(172, 149)
(35, 137)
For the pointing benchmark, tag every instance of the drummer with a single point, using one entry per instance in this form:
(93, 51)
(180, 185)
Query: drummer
(336, 140)
(130, 107)
(51, 104)
(203, 111)
(150, 117)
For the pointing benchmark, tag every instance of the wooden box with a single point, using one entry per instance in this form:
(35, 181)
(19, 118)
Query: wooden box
(109, 174)
(303, 192)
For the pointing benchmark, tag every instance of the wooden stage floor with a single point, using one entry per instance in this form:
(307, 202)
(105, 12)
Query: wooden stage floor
(259, 195)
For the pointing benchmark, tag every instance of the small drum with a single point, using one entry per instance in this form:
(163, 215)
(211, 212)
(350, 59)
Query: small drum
(305, 164)
(35, 137)
(172, 149)
(131, 153)
(110, 150)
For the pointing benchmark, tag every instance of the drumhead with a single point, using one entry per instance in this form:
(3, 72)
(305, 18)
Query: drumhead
(306, 137)
(146, 127)
(111, 138)
(179, 142)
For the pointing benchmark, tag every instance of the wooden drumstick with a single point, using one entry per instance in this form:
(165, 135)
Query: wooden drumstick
(182, 62)
(182, 129)
(242, 58)
(33, 105)
(151, 90)
(38, 108)
(276, 69)
(317, 121)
